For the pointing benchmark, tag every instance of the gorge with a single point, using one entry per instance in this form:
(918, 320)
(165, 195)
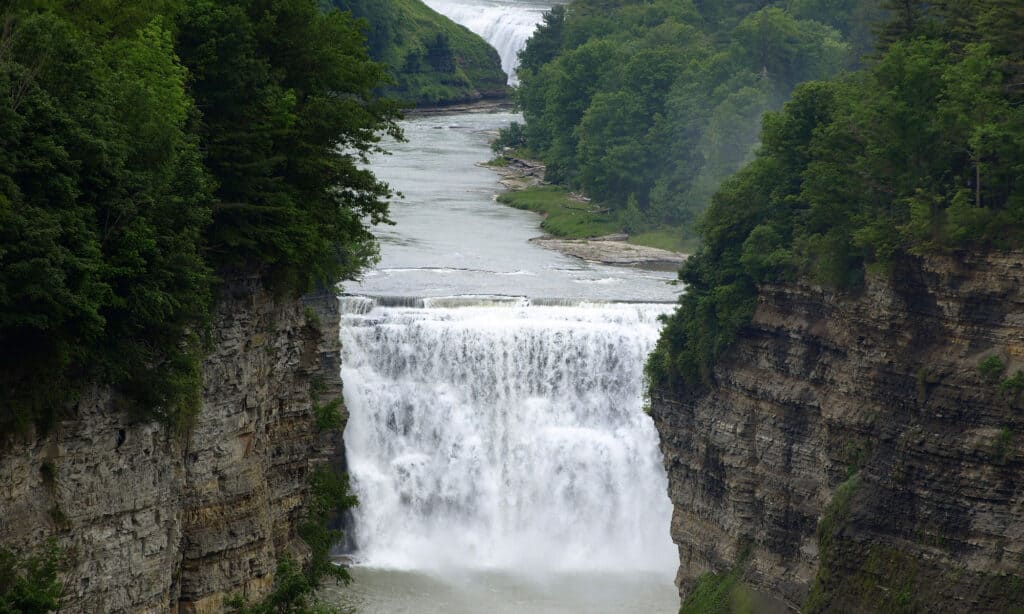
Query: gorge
(821, 412)
(850, 455)
(497, 438)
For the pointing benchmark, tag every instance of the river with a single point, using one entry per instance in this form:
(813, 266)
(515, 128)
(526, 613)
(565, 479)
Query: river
(497, 438)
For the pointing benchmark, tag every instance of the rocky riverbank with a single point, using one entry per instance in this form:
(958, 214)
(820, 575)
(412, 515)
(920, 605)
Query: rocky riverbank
(518, 174)
(615, 251)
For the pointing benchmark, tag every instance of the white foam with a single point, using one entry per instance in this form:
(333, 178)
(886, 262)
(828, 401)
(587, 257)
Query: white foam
(505, 26)
(505, 437)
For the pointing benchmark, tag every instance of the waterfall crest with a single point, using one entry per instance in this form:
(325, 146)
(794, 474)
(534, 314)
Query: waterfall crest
(504, 435)
(505, 25)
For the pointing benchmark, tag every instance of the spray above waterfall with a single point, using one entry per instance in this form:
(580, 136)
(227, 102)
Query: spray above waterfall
(505, 24)
(507, 436)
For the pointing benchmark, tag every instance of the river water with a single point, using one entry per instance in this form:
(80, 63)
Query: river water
(497, 440)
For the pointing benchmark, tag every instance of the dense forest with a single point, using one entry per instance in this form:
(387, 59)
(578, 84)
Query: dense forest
(149, 150)
(648, 106)
(432, 59)
(921, 152)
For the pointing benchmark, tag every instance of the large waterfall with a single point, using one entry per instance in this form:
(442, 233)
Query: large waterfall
(499, 434)
(505, 24)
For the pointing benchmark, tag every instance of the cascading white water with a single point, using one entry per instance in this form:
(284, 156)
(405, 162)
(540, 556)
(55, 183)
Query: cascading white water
(505, 24)
(500, 435)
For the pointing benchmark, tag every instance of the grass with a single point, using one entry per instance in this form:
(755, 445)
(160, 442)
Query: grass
(721, 593)
(672, 238)
(563, 216)
(569, 218)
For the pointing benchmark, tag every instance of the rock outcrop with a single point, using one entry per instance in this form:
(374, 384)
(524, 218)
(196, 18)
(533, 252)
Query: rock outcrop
(849, 454)
(157, 521)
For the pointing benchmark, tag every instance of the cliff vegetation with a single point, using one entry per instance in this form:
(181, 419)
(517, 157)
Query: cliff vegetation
(647, 106)
(173, 176)
(432, 59)
(919, 153)
(147, 150)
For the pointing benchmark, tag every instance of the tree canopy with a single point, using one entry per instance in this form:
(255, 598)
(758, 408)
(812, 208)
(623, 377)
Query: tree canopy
(659, 101)
(921, 152)
(147, 149)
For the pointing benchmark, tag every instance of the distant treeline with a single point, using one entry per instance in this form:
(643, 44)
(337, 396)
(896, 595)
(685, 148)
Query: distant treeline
(921, 152)
(147, 149)
(650, 105)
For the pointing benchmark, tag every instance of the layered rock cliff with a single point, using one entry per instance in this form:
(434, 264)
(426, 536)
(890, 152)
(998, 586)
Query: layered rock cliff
(155, 520)
(849, 454)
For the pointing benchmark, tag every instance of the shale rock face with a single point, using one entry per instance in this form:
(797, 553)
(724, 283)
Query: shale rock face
(157, 521)
(850, 456)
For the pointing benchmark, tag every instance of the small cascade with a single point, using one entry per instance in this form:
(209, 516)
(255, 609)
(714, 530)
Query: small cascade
(502, 435)
(506, 25)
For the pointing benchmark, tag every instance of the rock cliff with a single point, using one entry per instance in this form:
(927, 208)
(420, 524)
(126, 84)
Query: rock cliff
(157, 521)
(849, 454)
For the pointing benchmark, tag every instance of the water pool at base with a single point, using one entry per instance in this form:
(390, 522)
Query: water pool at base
(379, 591)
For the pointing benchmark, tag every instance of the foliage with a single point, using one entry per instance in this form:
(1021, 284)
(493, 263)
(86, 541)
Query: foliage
(570, 217)
(1003, 444)
(672, 238)
(289, 115)
(294, 587)
(991, 368)
(293, 594)
(921, 152)
(660, 101)
(514, 136)
(1013, 387)
(832, 521)
(329, 497)
(716, 594)
(103, 200)
(328, 418)
(564, 216)
(721, 593)
(432, 59)
(30, 583)
(146, 148)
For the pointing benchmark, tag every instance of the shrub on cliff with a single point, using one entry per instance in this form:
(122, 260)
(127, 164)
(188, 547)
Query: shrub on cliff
(30, 584)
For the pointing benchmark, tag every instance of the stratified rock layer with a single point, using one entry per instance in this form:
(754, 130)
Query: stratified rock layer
(157, 521)
(877, 396)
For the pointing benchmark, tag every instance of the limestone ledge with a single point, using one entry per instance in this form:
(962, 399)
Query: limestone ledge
(159, 522)
(884, 385)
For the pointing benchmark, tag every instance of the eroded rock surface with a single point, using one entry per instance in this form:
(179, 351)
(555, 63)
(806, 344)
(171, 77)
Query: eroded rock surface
(158, 521)
(878, 398)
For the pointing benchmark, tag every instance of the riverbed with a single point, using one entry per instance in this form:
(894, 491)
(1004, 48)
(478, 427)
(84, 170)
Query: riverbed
(452, 238)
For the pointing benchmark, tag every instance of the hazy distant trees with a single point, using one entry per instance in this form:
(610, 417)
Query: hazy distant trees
(660, 101)
(921, 152)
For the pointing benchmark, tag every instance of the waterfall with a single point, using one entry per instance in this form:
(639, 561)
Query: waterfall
(504, 435)
(505, 25)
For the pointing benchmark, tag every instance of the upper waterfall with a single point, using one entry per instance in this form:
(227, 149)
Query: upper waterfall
(505, 24)
(504, 435)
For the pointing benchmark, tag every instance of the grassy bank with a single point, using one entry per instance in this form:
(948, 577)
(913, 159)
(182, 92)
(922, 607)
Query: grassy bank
(569, 217)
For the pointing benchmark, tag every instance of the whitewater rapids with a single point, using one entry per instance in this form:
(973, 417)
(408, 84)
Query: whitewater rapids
(503, 435)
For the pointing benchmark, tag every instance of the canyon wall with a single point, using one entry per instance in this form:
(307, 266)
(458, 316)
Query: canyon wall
(159, 521)
(849, 455)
